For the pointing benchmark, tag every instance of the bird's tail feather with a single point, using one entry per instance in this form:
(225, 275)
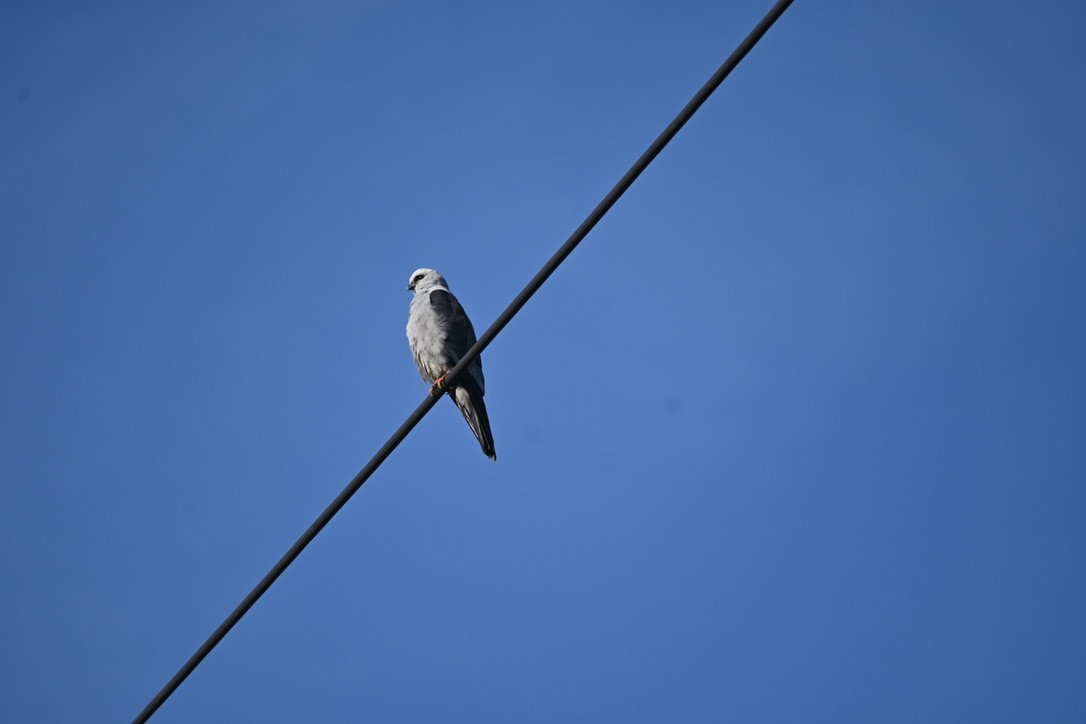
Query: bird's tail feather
(470, 401)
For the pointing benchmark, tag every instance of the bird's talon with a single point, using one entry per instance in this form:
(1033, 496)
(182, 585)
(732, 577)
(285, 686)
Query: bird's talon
(439, 386)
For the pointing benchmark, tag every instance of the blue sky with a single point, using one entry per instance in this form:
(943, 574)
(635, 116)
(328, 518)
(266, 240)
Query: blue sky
(798, 434)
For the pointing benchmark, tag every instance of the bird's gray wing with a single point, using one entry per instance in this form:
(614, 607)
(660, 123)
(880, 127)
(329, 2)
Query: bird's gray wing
(459, 334)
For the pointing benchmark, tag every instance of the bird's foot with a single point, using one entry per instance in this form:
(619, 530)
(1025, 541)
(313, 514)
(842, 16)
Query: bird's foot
(438, 387)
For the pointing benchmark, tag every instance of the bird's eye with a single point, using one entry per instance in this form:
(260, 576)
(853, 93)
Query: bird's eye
(417, 278)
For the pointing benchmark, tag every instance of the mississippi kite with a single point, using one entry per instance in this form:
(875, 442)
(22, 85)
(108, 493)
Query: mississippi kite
(440, 334)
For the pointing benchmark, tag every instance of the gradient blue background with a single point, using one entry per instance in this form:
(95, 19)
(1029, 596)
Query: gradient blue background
(798, 434)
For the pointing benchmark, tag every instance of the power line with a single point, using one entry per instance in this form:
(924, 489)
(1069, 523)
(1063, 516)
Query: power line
(487, 337)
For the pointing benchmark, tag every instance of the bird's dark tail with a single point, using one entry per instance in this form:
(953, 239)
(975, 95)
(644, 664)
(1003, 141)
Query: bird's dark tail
(469, 398)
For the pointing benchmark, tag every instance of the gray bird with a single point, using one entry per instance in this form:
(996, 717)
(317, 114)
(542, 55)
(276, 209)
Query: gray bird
(440, 334)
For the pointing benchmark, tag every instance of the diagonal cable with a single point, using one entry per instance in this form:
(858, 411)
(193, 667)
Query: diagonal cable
(487, 337)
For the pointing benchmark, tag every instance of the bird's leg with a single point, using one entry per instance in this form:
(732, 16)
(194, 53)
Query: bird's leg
(438, 386)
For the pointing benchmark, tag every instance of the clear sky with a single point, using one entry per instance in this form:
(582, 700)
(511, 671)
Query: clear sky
(798, 434)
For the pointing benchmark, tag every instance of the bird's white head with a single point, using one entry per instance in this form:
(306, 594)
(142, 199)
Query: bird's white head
(423, 280)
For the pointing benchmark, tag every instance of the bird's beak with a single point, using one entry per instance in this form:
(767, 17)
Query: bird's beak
(410, 287)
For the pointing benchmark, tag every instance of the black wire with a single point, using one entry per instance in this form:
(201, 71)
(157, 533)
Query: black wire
(488, 336)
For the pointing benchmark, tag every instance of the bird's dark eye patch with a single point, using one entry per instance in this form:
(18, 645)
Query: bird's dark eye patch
(416, 279)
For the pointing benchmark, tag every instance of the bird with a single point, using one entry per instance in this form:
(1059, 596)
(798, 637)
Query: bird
(440, 334)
